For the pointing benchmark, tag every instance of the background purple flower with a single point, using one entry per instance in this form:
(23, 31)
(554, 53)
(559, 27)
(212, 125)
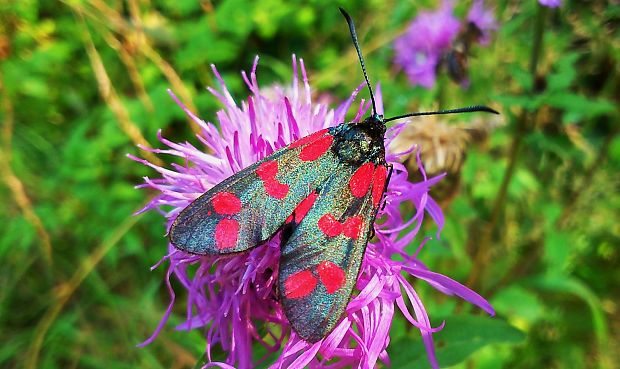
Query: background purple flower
(439, 38)
(418, 51)
(483, 19)
(551, 3)
(233, 299)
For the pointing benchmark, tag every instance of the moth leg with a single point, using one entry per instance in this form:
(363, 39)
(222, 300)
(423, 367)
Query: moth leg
(387, 182)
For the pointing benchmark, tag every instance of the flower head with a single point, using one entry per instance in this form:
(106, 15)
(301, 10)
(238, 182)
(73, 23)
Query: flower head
(551, 3)
(418, 51)
(483, 19)
(436, 37)
(233, 299)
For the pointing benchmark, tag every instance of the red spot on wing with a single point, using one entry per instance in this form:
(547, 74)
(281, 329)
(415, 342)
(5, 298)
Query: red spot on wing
(305, 140)
(317, 148)
(378, 184)
(352, 227)
(332, 276)
(267, 170)
(330, 225)
(304, 206)
(226, 233)
(300, 284)
(360, 180)
(226, 203)
(276, 189)
(267, 173)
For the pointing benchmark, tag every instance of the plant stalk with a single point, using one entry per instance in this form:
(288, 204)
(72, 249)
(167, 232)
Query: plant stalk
(522, 126)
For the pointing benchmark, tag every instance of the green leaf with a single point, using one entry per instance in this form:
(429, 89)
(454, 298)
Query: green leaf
(460, 338)
(269, 16)
(560, 283)
(522, 77)
(529, 103)
(614, 149)
(516, 301)
(235, 17)
(181, 8)
(579, 106)
(524, 183)
(557, 249)
(565, 73)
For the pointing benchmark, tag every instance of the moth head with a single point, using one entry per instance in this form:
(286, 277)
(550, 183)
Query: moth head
(375, 120)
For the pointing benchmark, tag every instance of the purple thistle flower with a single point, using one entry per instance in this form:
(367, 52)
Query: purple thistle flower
(483, 19)
(550, 3)
(418, 51)
(232, 299)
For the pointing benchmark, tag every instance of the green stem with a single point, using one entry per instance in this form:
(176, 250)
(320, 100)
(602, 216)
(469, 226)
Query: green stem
(481, 257)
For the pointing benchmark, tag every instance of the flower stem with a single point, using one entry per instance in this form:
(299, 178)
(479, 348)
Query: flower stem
(482, 255)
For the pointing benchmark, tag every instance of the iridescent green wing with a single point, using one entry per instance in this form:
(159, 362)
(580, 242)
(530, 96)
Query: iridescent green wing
(323, 249)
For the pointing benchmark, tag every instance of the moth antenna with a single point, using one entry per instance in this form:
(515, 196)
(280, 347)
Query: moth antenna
(359, 55)
(468, 109)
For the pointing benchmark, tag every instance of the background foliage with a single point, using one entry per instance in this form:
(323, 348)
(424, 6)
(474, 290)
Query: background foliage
(535, 226)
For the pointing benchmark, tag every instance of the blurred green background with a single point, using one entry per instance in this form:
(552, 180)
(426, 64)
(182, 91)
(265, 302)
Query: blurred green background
(533, 223)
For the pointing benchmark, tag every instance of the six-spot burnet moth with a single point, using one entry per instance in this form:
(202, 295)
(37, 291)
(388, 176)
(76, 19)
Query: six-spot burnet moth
(321, 193)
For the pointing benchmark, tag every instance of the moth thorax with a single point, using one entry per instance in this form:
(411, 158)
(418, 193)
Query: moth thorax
(358, 145)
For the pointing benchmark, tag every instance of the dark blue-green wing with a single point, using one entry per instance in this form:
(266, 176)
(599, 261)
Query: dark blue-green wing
(322, 252)
(249, 207)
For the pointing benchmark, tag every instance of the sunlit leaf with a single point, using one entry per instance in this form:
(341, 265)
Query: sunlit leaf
(461, 337)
